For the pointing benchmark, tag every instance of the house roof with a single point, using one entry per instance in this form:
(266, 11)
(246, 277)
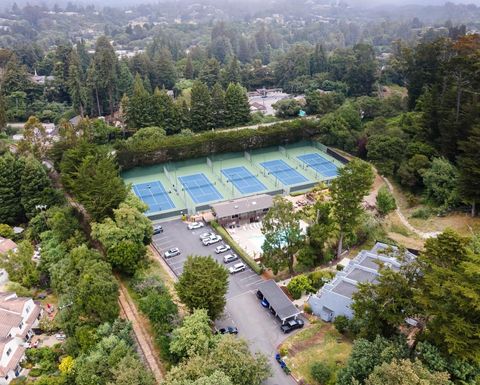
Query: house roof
(242, 205)
(6, 245)
(13, 362)
(278, 300)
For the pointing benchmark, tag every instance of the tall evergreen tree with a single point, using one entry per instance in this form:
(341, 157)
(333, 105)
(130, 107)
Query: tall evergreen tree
(233, 74)
(15, 77)
(104, 74)
(188, 74)
(138, 110)
(469, 167)
(165, 72)
(36, 187)
(125, 79)
(210, 73)
(201, 107)
(75, 82)
(218, 106)
(163, 111)
(318, 60)
(237, 109)
(10, 209)
(3, 112)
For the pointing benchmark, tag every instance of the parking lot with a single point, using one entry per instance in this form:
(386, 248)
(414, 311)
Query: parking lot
(243, 310)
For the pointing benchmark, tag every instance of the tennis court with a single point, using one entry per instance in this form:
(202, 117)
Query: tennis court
(283, 172)
(243, 179)
(199, 188)
(154, 195)
(319, 164)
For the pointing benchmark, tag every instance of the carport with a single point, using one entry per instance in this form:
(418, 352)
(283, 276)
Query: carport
(279, 302)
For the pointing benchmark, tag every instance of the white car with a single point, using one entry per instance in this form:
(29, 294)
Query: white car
(195, 225)
(222, 248)
(230, 258)
(206, 235)
(172, 252)
(213, 239)
(237, 268)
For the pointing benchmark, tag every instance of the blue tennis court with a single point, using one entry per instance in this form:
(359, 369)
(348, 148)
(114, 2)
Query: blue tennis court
(154, 195)
(244, 180)
(319, 164)
(200, 188)
(283, 172)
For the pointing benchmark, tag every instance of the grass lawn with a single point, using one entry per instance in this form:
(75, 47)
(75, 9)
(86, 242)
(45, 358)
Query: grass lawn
(319, 341)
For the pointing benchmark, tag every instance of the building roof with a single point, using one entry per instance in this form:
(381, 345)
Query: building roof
(6, 245)
(13, 362)
(278, 300)
(242, 205)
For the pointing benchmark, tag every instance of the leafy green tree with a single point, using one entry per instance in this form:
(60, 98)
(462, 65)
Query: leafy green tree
(406, 372)
(287, 108)
(189, 70)
(441, 182)
(283, 236)
(194, 337)
(160, 309)
(366, 355)
(10, 169)
(203, 285)
(210, 73)
(231, 356)
(335, 131)
(237, 109)
(321, 372)
(3, 113)
(348, 189)
(469, 170)
(318, 102)
(20, 266)
(35, 139)
(449, 294)
(131, 371)
(126, 255)
(386, 153)
(6, 231)
(361, 71)
(381, 309)
(385, 201)
(201, 107)
(318, 60)
(411, 171)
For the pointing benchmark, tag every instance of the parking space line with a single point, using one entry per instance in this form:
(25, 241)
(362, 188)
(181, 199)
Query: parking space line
(254, 282)
(249, 277)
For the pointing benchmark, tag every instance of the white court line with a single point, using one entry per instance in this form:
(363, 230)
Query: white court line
(254, 282)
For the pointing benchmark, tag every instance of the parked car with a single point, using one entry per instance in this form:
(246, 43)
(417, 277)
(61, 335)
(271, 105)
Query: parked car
(60, 336)
(230, 258)
(228, 330)
(265, 303)
(259, 294)
(292, 325)
(174, 251)
(157, 229)
(222, 248)
(212, 240)
(237, 268)
(206, 235)
(195, 225)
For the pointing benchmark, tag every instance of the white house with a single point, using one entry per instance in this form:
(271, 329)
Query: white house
(18, 315)
(335, 297)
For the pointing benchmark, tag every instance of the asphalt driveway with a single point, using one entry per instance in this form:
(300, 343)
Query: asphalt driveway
(243, 310)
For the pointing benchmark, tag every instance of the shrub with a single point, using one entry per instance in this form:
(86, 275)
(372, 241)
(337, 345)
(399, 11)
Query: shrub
(385, 201)
(283, 351)
(339, 267)
(422, 213)
(321, 372)
(341, 323)
(319, 278)
(6, 231)
(307, 308)
(298, 285)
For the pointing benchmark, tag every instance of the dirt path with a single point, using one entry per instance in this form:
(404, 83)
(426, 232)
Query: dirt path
(143, 339)
(404, 220)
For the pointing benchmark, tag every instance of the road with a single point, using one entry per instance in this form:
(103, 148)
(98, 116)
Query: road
(243, 310)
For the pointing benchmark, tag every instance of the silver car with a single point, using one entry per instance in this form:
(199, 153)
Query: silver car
(230, 258)
(172, 252)
(237, 268)
(212, 240)
(222, 248)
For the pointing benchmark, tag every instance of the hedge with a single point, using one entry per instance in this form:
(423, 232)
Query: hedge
(226, 236)
(134, 152)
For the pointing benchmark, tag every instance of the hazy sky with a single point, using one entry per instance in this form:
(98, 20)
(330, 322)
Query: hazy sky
(125, 2)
